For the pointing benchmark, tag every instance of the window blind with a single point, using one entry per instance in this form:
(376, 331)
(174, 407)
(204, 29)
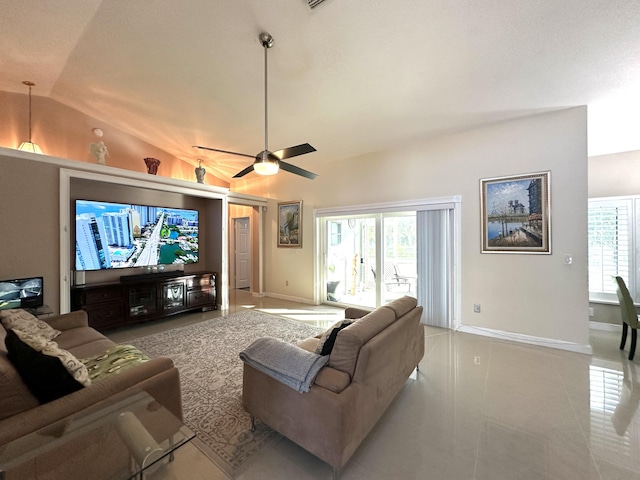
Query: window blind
(609, 237)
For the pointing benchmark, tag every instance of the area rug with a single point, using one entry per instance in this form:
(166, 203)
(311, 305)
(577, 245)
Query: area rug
(206, 353)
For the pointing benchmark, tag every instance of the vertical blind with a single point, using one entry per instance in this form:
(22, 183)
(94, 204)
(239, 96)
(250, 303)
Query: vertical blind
(434, 237)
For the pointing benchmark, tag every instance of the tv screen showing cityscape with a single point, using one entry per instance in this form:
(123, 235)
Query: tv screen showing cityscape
(117, 235)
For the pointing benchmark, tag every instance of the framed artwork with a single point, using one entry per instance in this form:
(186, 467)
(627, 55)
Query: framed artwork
(516, 214)
(290, 224)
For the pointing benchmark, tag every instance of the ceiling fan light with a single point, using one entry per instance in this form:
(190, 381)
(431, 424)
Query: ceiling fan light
(30, 147)
(266, 164)
(266, 168)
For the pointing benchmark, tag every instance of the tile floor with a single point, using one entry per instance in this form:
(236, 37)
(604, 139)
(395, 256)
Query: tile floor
(478, 409)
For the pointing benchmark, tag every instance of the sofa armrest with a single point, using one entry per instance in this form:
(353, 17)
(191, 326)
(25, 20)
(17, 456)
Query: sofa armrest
(352, 312)
(332, 379)
(67, 321)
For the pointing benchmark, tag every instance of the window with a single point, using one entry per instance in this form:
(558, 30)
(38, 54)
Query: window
(610, 235)
(336, 233)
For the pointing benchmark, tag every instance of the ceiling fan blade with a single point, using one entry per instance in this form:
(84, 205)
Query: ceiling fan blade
(244, 172)
(224, 151)
(294, 151)
(287, 167)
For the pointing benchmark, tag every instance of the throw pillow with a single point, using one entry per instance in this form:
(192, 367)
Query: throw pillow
(75, 367)
(44, 375)
(328, 338)
(22, 320)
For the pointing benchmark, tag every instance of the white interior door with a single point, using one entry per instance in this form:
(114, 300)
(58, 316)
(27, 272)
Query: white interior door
(242, 228)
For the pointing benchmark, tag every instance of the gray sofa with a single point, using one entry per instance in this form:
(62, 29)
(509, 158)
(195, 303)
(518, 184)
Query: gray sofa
(20, 411)
(369, 364)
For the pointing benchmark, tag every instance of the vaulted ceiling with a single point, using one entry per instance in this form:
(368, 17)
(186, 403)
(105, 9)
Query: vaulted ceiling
(349, 76)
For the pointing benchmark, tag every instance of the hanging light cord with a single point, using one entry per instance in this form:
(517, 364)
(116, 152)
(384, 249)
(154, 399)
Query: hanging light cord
(29, 113)
(29, 84)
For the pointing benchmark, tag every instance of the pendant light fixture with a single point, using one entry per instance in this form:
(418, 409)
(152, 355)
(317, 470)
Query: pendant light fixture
(29, 146)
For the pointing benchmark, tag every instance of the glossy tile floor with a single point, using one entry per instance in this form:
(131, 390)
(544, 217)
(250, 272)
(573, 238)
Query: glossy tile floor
(478, 409)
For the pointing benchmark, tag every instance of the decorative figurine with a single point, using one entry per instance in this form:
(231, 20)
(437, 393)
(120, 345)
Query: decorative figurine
(99, 150)
(152, 165)
(200, 172)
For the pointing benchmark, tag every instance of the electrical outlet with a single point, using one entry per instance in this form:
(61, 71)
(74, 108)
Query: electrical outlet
(476, 308)
(476, 360)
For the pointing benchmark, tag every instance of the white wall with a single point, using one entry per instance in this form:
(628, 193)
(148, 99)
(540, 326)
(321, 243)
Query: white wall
(611, 176)
(614, 175)
(536, 295)
(290, 265)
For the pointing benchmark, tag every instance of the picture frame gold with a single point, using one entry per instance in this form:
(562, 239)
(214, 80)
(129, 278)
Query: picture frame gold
(290, 224)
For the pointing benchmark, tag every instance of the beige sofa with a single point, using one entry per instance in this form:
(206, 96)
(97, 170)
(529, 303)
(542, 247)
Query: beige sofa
(369, 364)
(20, 411)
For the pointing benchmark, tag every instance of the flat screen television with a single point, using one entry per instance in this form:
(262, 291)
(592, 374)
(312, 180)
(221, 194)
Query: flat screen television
(117, 235)
(21, 293)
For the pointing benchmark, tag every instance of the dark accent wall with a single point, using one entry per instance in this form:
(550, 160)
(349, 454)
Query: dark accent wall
(30, 221)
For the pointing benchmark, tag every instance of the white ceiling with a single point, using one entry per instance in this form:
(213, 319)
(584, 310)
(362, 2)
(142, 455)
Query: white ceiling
(349, 76)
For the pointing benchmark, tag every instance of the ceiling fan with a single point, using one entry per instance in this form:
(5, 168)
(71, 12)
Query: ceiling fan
(266, 162)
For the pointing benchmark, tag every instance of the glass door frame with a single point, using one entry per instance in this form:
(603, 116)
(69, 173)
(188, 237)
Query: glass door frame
(335, 270)
(453, 203)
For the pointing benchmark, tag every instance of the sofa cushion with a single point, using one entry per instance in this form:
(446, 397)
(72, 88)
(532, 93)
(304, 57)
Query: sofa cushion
(402, 305)
(355, 312)
(328, 338)
(76, 337)
(332, 379)
(350, 339)
(45, 375)
(22, 320)
(83, 342)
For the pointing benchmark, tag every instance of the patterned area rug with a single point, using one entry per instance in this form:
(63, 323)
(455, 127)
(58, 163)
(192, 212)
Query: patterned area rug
(206, 353)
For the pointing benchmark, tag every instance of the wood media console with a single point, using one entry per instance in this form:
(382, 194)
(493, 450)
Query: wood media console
(141, 298)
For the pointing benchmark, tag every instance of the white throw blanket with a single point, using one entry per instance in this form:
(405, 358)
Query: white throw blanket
(287, 363)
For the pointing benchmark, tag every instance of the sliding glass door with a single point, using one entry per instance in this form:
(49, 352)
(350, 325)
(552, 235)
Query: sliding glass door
(369, 258)
(350, 260)
(398, 270)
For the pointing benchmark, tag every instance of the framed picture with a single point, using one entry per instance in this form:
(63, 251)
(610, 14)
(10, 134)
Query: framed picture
(516, 214)
(290, 224)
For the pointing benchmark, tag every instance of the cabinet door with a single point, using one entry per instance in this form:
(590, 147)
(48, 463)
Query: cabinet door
(106, 294)
(142, 301)
(106, 315)
(173, 297)
(200, 298)
(203, 280)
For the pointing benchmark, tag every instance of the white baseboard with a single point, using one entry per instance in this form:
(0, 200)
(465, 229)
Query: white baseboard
(607, 327)
(531, 340)
(290, 298)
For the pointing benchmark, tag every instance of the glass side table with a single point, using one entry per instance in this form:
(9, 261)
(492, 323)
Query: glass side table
(118, 439)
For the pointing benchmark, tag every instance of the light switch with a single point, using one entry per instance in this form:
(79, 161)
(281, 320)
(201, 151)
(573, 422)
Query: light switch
(568, 259)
